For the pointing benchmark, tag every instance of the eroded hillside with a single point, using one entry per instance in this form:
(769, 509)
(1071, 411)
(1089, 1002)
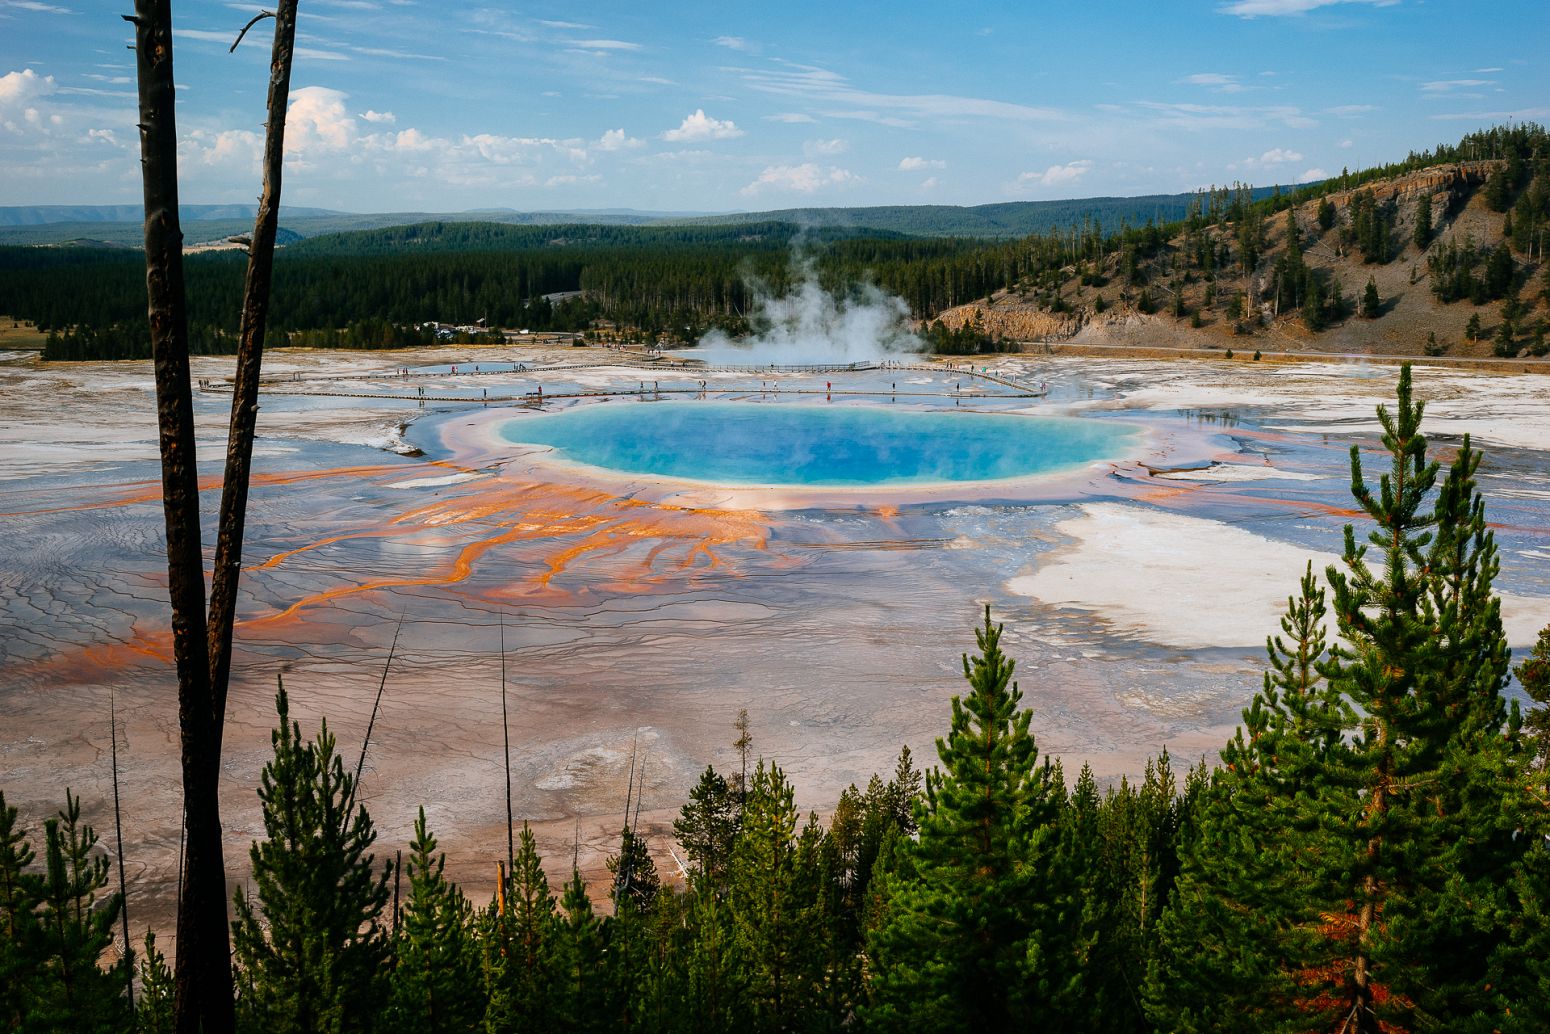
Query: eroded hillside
(1453, 253)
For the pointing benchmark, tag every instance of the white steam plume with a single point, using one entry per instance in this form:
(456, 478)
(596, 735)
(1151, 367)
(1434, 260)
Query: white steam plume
(811, 326)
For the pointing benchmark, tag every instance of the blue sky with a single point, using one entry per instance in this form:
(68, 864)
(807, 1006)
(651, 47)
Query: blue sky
(420, 105)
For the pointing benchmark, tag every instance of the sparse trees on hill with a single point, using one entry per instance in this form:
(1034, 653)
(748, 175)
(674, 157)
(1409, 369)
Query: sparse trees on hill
(1423, 222)
(1372, 306)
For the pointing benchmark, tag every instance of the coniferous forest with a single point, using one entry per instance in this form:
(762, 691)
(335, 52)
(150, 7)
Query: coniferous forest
(1369, 855)
(375, 288)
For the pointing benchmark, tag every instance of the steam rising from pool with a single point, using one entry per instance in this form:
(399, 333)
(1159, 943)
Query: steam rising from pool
(810, 325)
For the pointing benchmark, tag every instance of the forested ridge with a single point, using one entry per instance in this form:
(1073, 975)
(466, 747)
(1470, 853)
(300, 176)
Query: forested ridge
(1226, 261)
(1462, 224)
(1370, 855)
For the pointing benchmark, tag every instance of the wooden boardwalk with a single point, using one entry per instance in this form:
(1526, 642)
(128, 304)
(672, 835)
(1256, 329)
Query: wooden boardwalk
(293, 385)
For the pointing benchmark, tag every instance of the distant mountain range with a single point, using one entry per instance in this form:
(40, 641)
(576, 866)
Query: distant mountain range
(121, 224)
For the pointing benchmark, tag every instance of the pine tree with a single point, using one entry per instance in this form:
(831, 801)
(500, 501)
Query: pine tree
(1313, 312)
(707, 826)
(1326, 215)
(519, 951)
(771, 910)
(1472, 328)
(1423, 222)
(435, 980)
(1372, 306)
(154, 1008)
(713, 976)
(1251, 935)
(1534, 676)
(582, 1001)
(1422, 661)
(73, 991)
(311, 948)
(960, 944)
(20, 892)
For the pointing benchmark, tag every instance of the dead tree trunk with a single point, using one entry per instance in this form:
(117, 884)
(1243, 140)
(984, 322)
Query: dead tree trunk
(250, 354)
(203, 973)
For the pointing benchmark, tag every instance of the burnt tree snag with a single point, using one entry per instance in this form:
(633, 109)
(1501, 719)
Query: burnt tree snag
(203, 967)
(250, 355)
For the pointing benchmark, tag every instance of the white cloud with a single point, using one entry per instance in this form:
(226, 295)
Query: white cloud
(1276, 156)
(811, 83)
(321, 55)
(1312, 176)
(915, 164)
(821, 148)
(1453, 85)
(1256, 8)
(617, 140)
(379, 116)
(1346, 145)
(564, 25)
(205, 35)
(413, 141)
(1218, 116)
(36, 7)
(930, 183)
(1056, 175)
(1493, 116)
(318, 121)
(732, 43)
(605, 44)
(806, 178)
(789, 116)
(237, 149)
(19, 88)
(701, 126)
(1218, 81)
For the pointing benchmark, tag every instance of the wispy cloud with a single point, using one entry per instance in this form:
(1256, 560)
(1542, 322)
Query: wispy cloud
(794, 117)
(1492, 116)
(820, 85)
(1217, 81)
(1202, 117)
(605, 44)
(823, 148)
(733, 43)
(34, 6)
(1350, 110)
(1454, 85)
(1273, 8)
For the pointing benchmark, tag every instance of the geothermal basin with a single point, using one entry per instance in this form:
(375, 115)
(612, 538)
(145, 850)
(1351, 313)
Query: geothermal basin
(646, 590)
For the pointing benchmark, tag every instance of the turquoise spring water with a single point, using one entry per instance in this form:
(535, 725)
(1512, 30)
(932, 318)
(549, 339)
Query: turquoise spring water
(835, 446)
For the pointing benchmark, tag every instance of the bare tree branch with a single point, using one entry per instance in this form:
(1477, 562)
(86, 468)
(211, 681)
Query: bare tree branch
(260, 16)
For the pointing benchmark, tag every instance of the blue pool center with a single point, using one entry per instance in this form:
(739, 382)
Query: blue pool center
(820, 446)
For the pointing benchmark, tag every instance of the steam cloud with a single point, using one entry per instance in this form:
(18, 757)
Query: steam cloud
(810, 325)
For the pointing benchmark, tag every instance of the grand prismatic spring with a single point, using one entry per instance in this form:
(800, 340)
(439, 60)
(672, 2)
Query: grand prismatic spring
(666, 547)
